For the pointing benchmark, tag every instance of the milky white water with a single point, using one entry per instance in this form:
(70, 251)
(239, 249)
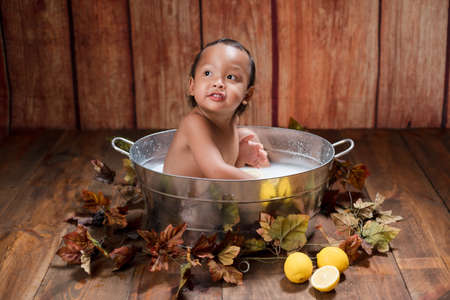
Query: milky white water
(275, 169)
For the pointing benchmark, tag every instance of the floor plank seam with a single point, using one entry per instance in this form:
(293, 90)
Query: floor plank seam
(424, 172)
(61, 243)
(401, 274)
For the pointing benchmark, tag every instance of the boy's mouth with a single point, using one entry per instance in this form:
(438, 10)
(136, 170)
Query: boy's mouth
(217, 96)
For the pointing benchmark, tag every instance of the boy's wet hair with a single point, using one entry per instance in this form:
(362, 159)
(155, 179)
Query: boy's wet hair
(232, 43)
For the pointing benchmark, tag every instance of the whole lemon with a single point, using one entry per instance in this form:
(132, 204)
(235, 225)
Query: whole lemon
(333, 256)
(298, 267)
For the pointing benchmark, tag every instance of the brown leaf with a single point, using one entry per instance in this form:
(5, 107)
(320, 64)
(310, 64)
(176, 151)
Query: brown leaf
(70, 254)
(163, 245)
(345, 221)
(122, 256)
(228, 273)
(351, 246)
(364, 209)
(357, 176)
(386, 217)
(116, 216)
(265, 221)
(204, 246)
(227, 255)
(172, 236)
(103, 172)
(93, 201)
(353, 174)
(75, 242)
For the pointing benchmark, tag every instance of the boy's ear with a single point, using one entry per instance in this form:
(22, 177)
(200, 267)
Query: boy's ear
(191, 86)
(250, 92)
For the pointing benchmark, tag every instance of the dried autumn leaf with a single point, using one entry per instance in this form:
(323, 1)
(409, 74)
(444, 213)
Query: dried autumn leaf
(70, 253)
(204, 246)
(351, 246)
(116, 216)
(364, 209)
(253, 245)
(265, 221)
(86, 262)
(163, 245)
(379, 235)
(75, 242)
(353, 174)
(227, 255)
(379, 199)
(345, 221)
(103, 172)
(130, 177)
(357, 176)
(294, 124)
(386, 217)
(93, 201)
(339, 170)
(290, 231)
(185, 276)
(228, 273)
(121, 256)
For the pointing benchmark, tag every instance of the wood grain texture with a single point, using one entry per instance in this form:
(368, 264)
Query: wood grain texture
(166, 38)
(63, 281)
(421, 248)
(248, 22)
(431, 149)
(412, 63)
(38, 47)
(4, 95)
(103, 64)
(327, 62)
(21, 153)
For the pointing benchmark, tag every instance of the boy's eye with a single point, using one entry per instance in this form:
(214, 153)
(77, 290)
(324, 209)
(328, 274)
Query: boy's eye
(207, 73)
(231, 77)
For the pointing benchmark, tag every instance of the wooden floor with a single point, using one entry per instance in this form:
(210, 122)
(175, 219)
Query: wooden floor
(41, 172)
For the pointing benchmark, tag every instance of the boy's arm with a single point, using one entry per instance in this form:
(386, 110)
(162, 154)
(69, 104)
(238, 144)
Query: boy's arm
(251, 150)
(205, 151)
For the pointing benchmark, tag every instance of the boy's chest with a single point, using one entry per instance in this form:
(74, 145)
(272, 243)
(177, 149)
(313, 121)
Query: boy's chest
(228, 145)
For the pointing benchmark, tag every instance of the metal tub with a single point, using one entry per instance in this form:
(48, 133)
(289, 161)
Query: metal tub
(212, 205)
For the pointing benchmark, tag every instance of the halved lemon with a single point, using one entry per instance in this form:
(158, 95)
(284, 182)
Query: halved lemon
(325, 278)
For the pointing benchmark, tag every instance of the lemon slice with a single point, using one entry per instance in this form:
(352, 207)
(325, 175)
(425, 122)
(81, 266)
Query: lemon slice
(325, 278)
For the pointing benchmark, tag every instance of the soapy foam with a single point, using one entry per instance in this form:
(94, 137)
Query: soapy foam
(275, 169)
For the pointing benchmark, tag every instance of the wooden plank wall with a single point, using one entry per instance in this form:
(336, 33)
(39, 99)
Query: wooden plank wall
(125, 63)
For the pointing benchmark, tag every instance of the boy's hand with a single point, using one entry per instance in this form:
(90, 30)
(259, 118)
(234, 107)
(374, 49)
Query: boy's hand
(252, 153)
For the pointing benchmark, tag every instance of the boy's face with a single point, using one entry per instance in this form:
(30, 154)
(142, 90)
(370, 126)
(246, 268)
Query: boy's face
(221, 79)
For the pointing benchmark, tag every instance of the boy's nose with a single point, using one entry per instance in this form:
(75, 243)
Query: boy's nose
(218, 83)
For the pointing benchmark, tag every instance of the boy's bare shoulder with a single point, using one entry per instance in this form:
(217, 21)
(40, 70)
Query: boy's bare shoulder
(193, 121)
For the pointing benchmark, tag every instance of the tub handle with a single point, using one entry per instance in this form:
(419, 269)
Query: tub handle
(113, 143)
(349, 141)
